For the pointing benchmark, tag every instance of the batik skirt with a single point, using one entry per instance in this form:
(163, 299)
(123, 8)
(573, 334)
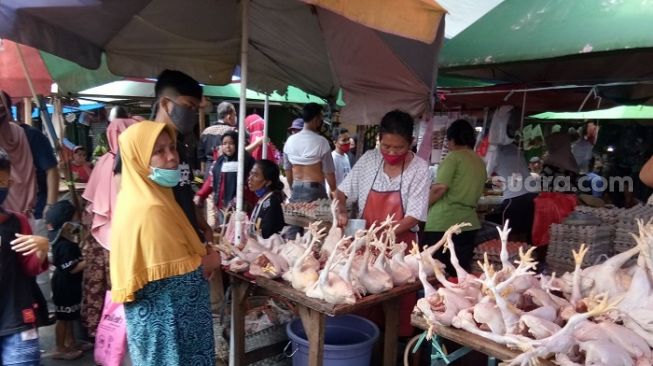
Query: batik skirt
(170, 323)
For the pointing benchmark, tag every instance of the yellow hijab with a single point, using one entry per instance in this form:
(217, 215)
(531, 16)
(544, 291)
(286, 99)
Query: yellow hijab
(151, 238)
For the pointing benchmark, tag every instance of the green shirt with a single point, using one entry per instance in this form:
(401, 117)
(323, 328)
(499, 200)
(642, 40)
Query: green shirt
(463, 172)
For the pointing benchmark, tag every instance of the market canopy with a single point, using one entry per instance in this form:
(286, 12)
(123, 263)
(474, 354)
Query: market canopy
(556, 42)
(44, 69)
(382, 53)
(620, 112)
(124, 89)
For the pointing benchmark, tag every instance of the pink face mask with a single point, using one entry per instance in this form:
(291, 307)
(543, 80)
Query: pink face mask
(393, 159)
(345, 148)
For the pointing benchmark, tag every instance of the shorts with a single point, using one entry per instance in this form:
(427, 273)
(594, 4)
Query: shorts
(20, 349)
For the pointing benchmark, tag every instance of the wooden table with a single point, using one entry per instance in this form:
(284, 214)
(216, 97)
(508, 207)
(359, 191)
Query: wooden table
(470, 340)
(313, 314)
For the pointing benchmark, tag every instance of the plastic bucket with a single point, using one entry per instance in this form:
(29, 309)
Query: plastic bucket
(348, 341)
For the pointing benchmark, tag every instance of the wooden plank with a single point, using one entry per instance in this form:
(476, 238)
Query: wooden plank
(314, 324)
(391, 310)
(264, 352)
(237, 350)
(472, 341)
(284, 289)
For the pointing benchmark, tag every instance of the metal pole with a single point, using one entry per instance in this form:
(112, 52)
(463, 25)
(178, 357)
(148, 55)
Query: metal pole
(266, 114)
(244, 42)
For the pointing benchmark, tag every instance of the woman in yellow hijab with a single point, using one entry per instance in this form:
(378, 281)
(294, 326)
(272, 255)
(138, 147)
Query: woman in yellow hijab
(156, 257)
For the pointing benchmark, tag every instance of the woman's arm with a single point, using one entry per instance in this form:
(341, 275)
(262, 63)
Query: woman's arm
(406, 224)
(342, 208)
(646, 174)
(207, 188)
(436, 193)
(79, 267)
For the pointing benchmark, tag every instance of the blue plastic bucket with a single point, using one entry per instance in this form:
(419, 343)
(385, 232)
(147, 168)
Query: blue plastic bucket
(348, 341)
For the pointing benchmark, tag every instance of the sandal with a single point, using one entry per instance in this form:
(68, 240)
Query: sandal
(83, 346)
(68, 355)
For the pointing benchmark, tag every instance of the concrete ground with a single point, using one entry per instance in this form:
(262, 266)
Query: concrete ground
(47, 341)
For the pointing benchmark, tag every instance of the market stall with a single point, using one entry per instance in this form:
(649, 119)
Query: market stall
(471, 341)
(313, 313)
(594, 314)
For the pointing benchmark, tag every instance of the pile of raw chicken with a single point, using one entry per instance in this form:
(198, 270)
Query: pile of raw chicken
(326, 265)
(600, 315)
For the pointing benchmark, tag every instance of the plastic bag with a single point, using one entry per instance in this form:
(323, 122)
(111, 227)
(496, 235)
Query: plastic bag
(111, 337)
(550, 208)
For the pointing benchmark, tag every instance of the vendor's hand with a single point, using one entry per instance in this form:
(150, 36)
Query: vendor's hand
(198, 201)
(210, 262)
(30, 244)
(208, 234)
(342, 219)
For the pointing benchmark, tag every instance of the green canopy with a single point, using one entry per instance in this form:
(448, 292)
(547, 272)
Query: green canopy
(620, 112)
(71, 78)
(555, 41)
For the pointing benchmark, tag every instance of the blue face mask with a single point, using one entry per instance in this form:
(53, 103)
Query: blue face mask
(260, 192)
(4, 192)
(165, 177)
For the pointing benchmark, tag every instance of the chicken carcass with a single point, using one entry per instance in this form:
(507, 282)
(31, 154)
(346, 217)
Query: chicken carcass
(560, 342)
(268, 265)
(625, 338)
(334, 234)
(604, 352)
(304, 272)
(374, 280)
(503, 235)
(330, 287)
(605, 275)
(578, 260)
(537, 327)
(398, 269)
(487, 314)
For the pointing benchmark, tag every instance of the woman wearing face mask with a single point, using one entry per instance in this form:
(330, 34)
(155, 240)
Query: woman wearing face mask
(264, 182)
(390, 180)
(158, 264)
(453, 197)
(223, 176)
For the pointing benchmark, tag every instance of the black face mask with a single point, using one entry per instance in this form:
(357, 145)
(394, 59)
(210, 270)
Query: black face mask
(184, 118)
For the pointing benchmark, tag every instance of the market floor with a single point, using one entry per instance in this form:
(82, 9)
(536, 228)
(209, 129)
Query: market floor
(47, 344)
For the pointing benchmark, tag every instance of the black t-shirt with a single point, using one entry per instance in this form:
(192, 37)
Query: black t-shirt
(183, 191)
(16, 288)
(44, 160)
(270, 213)
(66, 286)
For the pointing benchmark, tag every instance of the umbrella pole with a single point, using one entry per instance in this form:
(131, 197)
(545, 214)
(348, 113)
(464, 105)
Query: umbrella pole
(236, 349)
(45, 116)
(266, 111)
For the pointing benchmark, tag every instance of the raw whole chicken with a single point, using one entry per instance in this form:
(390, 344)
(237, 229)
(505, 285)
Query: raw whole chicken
(330, 287)
(398, 269)
(303, 273)
(604, 318)
(374, 280)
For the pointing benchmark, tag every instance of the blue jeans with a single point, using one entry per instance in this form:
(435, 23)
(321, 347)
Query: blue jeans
(305, 192)
(15, 351)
